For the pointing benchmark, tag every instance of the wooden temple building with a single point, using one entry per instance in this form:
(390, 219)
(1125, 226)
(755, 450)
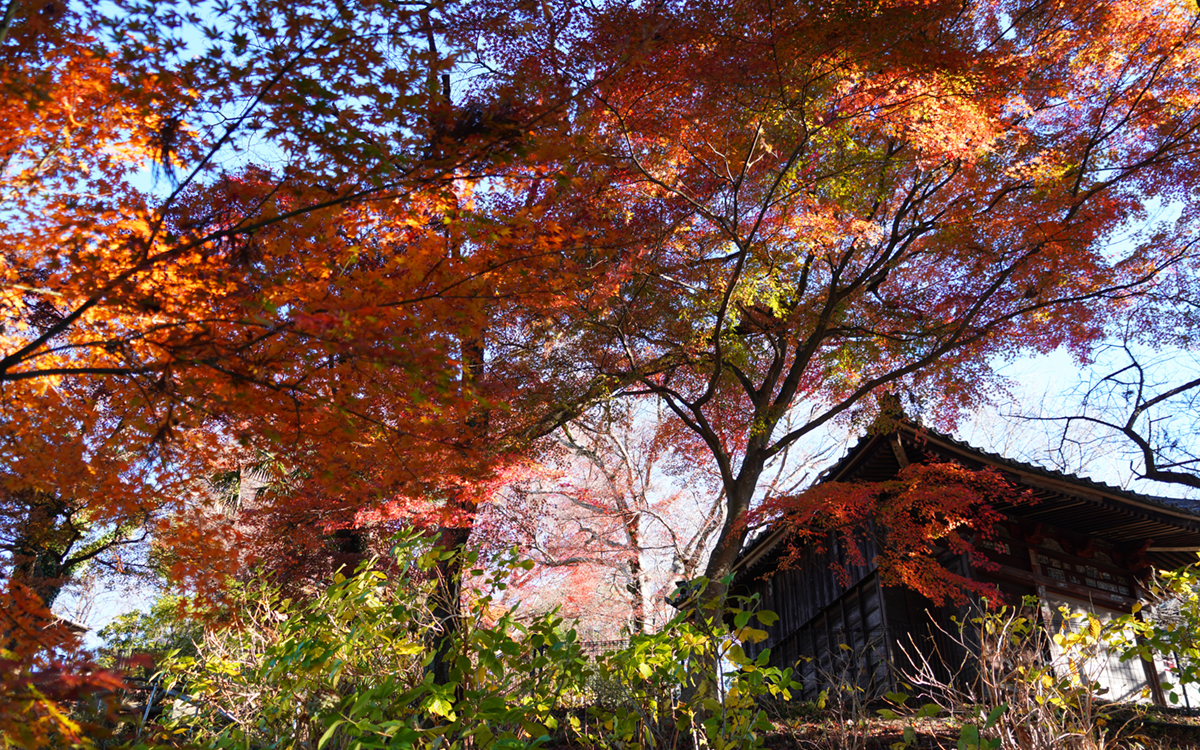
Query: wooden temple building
(1083, 545)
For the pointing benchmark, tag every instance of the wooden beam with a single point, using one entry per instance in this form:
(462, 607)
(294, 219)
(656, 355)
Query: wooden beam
(898, 450)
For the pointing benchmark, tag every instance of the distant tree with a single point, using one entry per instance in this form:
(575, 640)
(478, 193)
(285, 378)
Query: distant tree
(623, 508)
(618, 513)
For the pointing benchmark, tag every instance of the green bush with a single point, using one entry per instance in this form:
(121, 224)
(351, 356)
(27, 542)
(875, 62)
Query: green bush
(166, 627)
(690, 682)
(1170, 629)
(349, 669)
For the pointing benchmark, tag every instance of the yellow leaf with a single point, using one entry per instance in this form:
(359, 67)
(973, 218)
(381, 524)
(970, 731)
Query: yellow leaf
(753, 635)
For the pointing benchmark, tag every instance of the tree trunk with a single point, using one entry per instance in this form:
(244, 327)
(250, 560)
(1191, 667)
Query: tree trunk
(41, 572)
(729, 544)
(41, 543)
(637, 583)
(447, 606)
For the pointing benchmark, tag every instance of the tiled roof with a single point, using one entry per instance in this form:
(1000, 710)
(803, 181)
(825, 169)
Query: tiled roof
(1167, 503)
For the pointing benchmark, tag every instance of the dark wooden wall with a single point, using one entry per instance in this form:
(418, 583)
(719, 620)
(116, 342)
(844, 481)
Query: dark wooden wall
(838, 631)
(832, 625)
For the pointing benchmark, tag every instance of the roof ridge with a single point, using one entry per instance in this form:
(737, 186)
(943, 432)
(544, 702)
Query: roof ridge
(1176, 503)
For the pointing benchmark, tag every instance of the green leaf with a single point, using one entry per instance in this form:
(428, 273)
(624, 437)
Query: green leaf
(533, 729)
(329, 733)
(968, 737)
(440, 706)
(737, 655)
(994, 715)
(929, 711)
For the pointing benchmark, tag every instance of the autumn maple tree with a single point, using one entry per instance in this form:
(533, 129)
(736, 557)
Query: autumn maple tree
(828, 200)
(926, 506)
(246, 227)
(240, 229)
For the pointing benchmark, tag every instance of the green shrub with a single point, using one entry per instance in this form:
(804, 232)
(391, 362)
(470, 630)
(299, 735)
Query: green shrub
(349, 669)
(690, 682)
(166, 627)
(1170, 629)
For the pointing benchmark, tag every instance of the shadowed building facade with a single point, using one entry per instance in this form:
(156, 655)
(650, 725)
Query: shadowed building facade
(1082, 545)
